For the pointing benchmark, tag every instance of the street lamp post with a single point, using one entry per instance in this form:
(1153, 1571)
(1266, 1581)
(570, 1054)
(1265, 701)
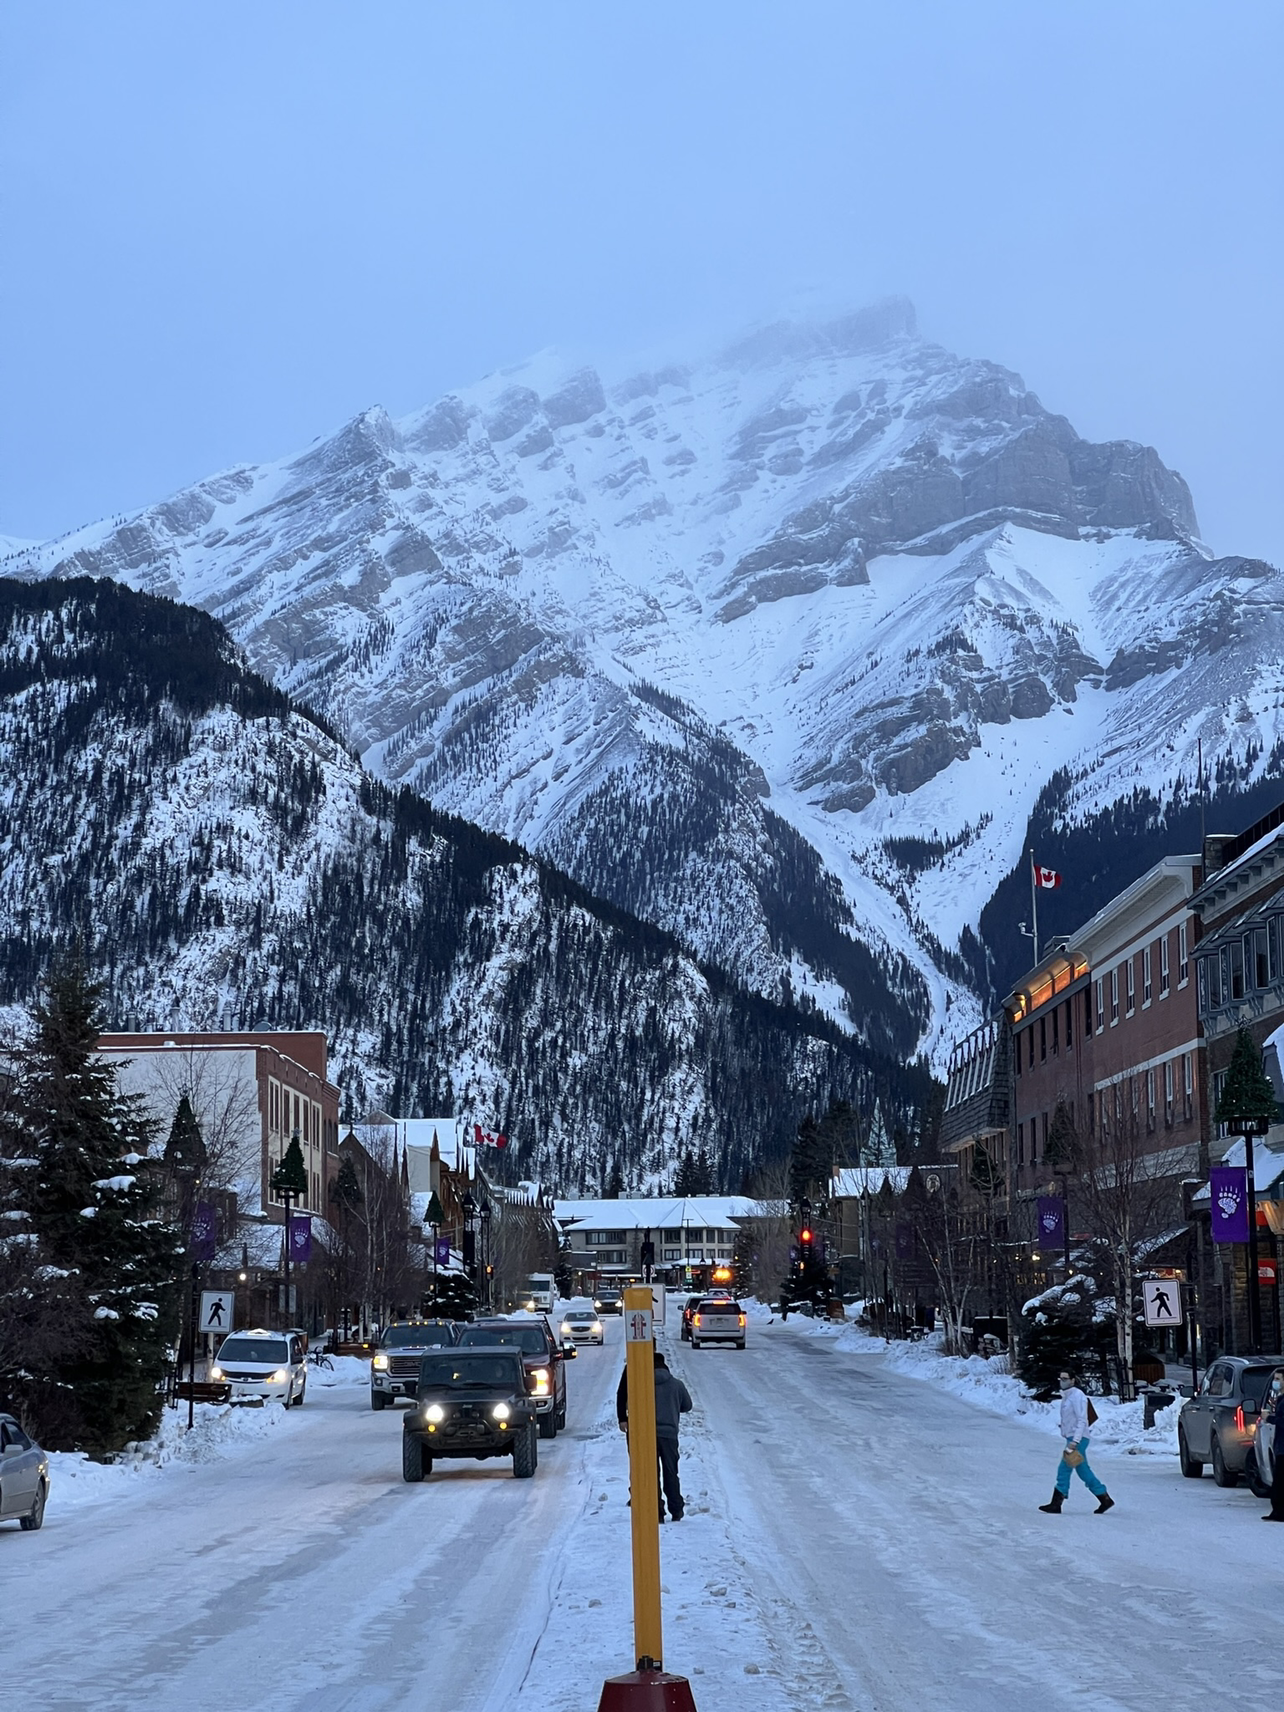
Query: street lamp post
(1064, 1174)
(1248, 1128)
(485, 1253)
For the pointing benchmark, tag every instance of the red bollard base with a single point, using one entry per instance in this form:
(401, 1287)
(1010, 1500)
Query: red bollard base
(646, 1691)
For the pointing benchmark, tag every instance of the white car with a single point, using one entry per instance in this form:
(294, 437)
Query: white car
(262, 1367)
(582, 1324)
(24, 1477)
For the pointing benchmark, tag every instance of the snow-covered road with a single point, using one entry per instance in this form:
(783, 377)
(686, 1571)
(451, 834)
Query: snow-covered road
(300, 1572)
(894, 1545)
(854, 1538)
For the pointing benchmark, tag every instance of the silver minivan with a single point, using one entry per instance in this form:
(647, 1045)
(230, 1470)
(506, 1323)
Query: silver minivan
(24, 1477)
(262, 1366)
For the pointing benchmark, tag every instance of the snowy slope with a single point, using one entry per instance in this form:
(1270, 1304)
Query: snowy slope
(223, 862)
(883, 593)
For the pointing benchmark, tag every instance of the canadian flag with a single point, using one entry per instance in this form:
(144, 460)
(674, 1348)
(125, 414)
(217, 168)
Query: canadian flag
(485, 1140)
(1047, 879)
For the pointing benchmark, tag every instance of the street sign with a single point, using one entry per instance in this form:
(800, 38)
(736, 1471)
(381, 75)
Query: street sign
(1162, 1297)
(637, 1325)
(217, 1310)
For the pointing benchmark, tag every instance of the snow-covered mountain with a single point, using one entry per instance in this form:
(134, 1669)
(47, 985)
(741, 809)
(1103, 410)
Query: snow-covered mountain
(778, 650)
(223, 861)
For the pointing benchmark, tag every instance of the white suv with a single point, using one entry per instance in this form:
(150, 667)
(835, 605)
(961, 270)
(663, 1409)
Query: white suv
(261, 1365)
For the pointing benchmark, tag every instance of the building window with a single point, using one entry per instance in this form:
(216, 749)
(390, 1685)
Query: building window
(274, 1106)
(1018, 1054)
(673, 1254)
(603, 1238)
(1114, 996)
(1261, 960)
(1236, 951)
(1056, 1029)
(1069, 1024)
(1044, 1122)
(1100, 1002)
(1132, 990)
(1092, 1113)
(1163, 967)
(1214, 1099)
(1168, 1092)
(1021, 1144)
(1145, 977)
(1043, 1038)
(1030, 1033)
(1087, 1008)
(1188, 1084)
(1150, 1099)
(1183, 956)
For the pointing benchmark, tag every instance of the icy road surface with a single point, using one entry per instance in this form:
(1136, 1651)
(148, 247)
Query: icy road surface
(854, 1539)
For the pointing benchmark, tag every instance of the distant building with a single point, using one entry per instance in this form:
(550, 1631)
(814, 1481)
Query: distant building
(691, 1235)
(250, 1094)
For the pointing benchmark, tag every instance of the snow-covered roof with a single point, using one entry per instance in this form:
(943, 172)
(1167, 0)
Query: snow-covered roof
(660, 1214)
(452, 1135)
(869, 1180)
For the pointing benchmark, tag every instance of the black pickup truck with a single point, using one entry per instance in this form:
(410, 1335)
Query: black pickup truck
(472, 1402)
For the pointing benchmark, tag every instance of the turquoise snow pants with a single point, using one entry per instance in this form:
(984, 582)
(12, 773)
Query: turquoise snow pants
(1083, 1471)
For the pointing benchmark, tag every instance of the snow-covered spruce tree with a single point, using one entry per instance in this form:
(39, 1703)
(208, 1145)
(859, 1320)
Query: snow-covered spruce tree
(95, 1210)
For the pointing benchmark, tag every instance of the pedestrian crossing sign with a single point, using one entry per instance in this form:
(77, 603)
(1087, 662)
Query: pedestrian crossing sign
(1162, 1297)
(216, 1311)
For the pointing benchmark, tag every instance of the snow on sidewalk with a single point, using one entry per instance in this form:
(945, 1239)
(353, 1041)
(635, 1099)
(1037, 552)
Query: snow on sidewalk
(988, 1385)
(218, 1431)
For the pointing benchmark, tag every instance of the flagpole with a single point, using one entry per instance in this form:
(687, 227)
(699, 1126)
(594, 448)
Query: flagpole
(1034, 906)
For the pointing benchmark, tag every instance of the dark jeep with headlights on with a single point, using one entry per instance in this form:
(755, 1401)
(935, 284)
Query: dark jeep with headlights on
(472, 1402)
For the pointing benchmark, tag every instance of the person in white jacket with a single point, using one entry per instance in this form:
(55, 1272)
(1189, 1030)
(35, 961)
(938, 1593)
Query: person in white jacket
(1074, 1458)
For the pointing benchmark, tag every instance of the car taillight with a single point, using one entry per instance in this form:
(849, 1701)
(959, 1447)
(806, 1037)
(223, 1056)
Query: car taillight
(1239, 1418)
(697, 1319)
(742, 1319)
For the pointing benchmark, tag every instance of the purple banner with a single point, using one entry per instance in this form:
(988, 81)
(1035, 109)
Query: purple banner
(443, 1251)
(1229, 1186)
(1052, 1220)
(204, 1232)
(300, 1239)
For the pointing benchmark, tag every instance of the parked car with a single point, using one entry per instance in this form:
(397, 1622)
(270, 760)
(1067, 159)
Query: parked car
(24, 1477)
(718, 1319)
(542, 1355)
(583, 1324)
(394, 1366)
(472, 1402)
(1218, 1423)
(262, 1366)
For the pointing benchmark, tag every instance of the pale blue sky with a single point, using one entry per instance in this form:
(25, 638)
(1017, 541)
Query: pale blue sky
(228, 227)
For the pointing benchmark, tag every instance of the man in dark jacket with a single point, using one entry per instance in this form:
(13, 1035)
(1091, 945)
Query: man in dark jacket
(1275, 1425)
(672, 1401)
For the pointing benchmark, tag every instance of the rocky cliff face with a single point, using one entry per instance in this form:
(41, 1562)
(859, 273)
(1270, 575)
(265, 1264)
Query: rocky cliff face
(712, 635)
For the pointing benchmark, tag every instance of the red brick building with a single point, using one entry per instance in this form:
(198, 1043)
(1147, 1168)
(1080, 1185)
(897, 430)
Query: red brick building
(250, 1093)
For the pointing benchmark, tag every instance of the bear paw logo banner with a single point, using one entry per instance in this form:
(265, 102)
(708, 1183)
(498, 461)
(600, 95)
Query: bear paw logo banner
(1229, 1187)
(1051, 1218)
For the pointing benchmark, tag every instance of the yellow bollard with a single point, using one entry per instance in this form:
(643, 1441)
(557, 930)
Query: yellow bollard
(644, 1479)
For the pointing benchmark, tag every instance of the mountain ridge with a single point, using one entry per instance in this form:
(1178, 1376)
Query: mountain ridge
(886, 578)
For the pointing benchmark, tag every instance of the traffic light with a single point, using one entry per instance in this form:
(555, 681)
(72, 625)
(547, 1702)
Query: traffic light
(805, 1236)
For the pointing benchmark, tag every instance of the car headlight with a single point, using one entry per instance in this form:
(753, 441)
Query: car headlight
(540, 1376)
(434, 1413)
(501, 1411)
(380, 1362)
(280, 1377)
(216, 1372)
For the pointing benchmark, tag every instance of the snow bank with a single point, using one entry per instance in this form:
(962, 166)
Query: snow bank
(218, 1431)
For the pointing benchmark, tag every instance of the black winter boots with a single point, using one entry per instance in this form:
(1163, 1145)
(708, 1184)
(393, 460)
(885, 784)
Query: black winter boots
(1054, 1508)
(1104, 1503)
